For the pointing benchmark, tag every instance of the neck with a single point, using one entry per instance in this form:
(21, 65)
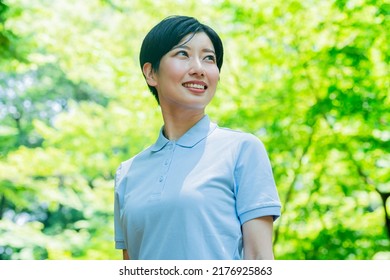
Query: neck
(177, 124)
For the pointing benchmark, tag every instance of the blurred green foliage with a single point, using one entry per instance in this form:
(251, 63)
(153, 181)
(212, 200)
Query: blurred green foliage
(309, 78)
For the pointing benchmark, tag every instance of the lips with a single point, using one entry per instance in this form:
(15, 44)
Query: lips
(195, 85)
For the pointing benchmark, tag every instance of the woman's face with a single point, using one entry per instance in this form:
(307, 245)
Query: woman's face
(188, 74)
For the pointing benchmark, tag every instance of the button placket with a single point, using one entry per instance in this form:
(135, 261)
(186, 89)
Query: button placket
(169, 149)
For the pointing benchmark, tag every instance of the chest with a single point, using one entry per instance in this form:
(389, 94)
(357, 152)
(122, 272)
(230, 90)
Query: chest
(179, 179)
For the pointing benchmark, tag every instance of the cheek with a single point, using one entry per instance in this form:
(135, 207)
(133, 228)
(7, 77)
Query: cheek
(170, 69)
(214, 75)
(176, 70)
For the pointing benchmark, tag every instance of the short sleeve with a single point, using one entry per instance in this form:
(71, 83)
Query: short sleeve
(118, 204)
(255, 189)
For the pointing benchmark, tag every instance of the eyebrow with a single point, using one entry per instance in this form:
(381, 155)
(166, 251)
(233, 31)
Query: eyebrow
(188, 48)
(209, 50)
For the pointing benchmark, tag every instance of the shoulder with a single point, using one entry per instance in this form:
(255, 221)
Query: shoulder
(246, 147)
(238, 137)
(124, 166)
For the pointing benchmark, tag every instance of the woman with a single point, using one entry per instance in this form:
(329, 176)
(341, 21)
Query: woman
(201, 191)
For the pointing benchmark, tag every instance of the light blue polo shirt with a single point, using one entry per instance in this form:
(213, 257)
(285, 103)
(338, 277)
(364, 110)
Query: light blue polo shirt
(187, 199)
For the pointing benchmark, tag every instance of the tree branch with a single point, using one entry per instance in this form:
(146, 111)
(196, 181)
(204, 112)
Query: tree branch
(2, 206)
(291, 186)
(367, 180)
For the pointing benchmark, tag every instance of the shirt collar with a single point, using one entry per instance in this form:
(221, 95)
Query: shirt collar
(193, 136)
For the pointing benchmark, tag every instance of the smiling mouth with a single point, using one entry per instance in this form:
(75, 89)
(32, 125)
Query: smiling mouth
(195, 86)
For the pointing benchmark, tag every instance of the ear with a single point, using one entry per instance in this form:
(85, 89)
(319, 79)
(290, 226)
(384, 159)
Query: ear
(149, 74)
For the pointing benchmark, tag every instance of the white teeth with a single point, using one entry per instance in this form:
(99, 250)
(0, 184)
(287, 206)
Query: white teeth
(197, 86)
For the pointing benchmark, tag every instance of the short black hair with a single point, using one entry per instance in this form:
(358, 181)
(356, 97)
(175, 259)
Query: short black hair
(167, 34)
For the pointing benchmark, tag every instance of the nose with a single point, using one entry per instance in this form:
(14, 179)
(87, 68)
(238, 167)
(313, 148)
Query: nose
(197, 68)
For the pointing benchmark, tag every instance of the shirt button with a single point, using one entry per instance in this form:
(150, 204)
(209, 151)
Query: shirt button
(166, 163)
(161, 179)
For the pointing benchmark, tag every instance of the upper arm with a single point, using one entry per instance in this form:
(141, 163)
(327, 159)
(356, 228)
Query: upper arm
(254, 184)
(257, 238)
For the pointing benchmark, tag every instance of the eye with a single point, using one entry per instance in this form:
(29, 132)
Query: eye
(210, 58)
(182, 53)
